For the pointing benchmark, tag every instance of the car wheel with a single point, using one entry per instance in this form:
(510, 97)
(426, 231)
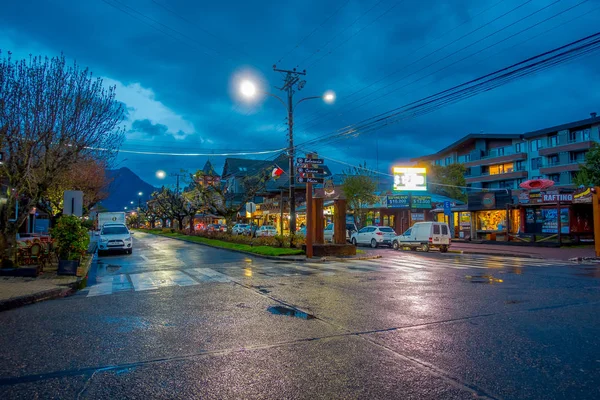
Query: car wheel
(425, 248)
(396, 245)
(444, 249)
(373, 243)
(412, 248)
(354, 241)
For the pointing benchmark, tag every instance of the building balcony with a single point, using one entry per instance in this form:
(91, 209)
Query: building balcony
(556, 168)
(497, 177)
(495, 158)
(572, 146)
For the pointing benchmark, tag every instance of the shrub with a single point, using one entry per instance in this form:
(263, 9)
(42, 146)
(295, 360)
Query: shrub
(71, 237)
(168, 230)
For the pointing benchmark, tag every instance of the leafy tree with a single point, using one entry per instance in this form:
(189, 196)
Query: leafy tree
(445, 180)
(51, 116)
(170, 205)
(216, 199)
(87, 175)
(360, 186)
(589, 172)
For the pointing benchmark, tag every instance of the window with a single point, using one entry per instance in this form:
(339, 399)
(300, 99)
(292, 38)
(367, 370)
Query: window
(505, 184)
(573, 136)
(577, 156)
(519, 181)
(500, 151)
(329, 227)
(518, 147)
(467, 157)
(386, 229)
(536, 163)
(521, 165)
(444, 230)
(553, 160)
(364, 230)
(536, 144)
(448, 160)
(408, 232)
(436, 229)
(438, 162)
(554, 177)
(501, 169)
(114, 230)
(586, 134)
(553, 140)
(467, 171)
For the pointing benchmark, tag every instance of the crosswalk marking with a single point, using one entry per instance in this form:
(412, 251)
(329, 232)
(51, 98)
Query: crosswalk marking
(211, 274)
(152, 280)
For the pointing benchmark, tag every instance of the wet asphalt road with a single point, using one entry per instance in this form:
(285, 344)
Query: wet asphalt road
(178, 320)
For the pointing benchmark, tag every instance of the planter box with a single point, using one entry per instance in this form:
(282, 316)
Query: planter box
(67, 267)
(332, 250)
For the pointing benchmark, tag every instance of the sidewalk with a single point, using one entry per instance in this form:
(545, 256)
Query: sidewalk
(553, 253)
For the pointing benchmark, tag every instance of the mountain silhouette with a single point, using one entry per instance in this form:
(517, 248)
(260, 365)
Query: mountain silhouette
(124, 188)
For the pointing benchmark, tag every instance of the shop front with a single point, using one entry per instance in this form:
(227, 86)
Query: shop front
(491, 216)
(555, 216)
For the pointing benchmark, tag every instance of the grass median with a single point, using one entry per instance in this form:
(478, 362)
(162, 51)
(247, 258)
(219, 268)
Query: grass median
(260, 250)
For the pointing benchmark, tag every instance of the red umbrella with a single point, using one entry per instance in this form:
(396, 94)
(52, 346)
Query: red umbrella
(537, 184)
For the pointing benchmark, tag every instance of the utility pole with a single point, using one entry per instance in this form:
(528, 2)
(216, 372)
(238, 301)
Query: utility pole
(292, 78)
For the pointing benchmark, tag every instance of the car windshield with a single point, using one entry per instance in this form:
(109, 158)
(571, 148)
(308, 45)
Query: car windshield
(114, 230)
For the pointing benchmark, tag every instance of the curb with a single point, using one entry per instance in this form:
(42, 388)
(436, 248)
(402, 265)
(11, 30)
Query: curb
(278, 258)
(494, 254)
(49, 294)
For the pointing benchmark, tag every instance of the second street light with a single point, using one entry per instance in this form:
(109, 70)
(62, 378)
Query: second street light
(291, 83)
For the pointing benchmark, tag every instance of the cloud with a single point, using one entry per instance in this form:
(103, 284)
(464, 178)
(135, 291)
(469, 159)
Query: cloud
(146, 126)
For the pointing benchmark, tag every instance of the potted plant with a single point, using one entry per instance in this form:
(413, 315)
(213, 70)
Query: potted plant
(72, 242)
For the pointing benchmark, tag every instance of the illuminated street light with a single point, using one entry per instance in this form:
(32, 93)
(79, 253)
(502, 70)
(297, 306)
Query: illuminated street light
(131, 202)
(329, 97)
(125, 208)
(160, 174)
(248, 88)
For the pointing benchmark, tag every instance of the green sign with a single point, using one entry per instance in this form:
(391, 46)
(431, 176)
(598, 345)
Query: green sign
(420, 201)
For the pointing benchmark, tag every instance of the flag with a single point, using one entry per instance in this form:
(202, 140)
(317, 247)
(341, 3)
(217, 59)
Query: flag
(276, 173)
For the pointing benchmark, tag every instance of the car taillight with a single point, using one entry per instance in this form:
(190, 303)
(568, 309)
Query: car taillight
(379, 233)
(430, 240)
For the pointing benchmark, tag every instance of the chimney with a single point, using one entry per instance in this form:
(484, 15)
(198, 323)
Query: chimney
(593, 115)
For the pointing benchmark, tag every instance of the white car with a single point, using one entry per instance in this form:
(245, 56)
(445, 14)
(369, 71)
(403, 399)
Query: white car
(330, 229)
(240, 229)
(266, 230)
(115, 237)
(426, 235)
(374, 236)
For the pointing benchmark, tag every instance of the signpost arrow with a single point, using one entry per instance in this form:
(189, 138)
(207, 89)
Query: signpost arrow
(303, 170)
(310, 180)
(301, 160)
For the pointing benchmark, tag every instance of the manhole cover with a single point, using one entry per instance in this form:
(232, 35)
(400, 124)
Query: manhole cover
(290, 312)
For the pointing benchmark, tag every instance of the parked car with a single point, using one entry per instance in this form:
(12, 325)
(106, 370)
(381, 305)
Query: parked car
(240, 229)
(374, 236)
(330, 229)
(216, 228)
(115, 237)
(426, 235)
(301, 231)
(266, 230)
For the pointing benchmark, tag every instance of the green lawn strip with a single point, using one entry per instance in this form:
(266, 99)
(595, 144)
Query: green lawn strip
(262, 250)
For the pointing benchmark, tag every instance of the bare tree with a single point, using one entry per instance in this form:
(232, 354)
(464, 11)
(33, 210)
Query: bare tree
(51, 116)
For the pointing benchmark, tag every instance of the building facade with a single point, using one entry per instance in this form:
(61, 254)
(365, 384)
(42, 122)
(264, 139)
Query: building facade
(503, 161)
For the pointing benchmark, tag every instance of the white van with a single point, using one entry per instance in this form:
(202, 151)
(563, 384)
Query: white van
(426, 235)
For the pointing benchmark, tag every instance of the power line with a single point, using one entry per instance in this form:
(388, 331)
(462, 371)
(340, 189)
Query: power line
(339, 33)
(445, 34)
(550, 58)
(356, 33)
(312, 32)
(454, 53)
(245, 153)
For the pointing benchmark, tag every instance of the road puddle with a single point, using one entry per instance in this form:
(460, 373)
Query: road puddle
(489, 279)
(289, 311)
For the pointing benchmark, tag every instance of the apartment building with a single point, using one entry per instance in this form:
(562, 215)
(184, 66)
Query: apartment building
(503, 161)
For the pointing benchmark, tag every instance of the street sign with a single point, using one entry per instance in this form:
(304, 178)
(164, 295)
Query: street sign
(301, 160)
(447, 208)
(303, 170)
(310, 180)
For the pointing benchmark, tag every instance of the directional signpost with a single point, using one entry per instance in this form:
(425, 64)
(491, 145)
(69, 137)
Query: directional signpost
(318, 181)
(317, 161)
(302, 170)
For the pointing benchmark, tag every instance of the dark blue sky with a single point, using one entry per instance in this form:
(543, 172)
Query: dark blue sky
(176, 78)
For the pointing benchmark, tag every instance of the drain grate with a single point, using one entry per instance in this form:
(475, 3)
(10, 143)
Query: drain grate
(290, 312)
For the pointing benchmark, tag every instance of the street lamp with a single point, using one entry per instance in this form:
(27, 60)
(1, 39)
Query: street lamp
(249, 90)
(125, 208)
(160, 174)
(131, 202)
